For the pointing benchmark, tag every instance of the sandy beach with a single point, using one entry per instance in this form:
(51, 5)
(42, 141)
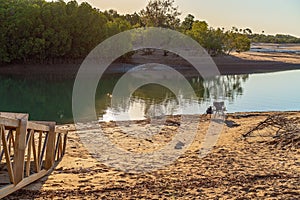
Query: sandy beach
(237, 167)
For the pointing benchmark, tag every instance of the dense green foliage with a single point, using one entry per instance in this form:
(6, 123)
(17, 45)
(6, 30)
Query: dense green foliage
(37, 31)
(278, 38)
(217, 41)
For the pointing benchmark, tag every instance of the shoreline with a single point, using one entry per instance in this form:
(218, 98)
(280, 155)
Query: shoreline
(237, 63)
(227, 114)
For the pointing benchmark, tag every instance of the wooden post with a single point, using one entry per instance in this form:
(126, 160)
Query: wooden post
(35, 156)
(19, 151)
(29, 145)
(65, 144)
(49, 161)
(40, 143)
(41, 157)
(57, 146)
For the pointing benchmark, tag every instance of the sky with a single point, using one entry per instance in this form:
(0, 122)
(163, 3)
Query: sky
(270, 16)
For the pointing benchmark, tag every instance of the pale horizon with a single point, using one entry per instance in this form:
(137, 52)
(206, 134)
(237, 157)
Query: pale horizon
(271, 16)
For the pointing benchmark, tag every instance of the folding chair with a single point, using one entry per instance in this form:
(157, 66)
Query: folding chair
(219, 107)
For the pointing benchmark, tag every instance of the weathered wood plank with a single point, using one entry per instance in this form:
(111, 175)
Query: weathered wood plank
(50, 152)
(20, 151)
(9, 122)
(35, 156)
(47, 123)
(29, 153)
(12, 188)
(65, 143)
(0, 144)
(7, 155)
(37, 127)
(43, 150)
(14, 115)
(60, 147)
(40, 143)
(56, 152)
(59, 130)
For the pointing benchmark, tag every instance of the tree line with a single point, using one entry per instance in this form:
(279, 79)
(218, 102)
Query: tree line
(278, 38)
(37, 31)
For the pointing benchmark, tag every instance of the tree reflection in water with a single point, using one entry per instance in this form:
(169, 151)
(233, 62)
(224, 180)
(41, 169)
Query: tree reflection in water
(155, 101)
(51, 100)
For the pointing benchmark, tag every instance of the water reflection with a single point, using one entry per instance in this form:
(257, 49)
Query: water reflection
(52, 100)
(231, 86)
(155, 101)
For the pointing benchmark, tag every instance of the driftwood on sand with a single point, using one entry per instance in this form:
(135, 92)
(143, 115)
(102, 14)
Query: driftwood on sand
(284, 131)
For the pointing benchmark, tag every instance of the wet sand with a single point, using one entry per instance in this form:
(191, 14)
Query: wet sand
(235, 168)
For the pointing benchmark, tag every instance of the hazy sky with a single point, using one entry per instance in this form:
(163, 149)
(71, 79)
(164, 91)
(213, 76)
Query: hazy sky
(271, 16)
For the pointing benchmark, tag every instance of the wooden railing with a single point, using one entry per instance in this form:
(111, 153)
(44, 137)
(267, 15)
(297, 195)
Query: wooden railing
(28, 150)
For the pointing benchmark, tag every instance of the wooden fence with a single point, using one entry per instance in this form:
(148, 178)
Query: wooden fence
(28, 150)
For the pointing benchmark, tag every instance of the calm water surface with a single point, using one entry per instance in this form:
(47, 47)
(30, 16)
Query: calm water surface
(52, 100)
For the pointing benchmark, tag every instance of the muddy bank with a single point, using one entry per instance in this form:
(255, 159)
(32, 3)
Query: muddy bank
(243, 63)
